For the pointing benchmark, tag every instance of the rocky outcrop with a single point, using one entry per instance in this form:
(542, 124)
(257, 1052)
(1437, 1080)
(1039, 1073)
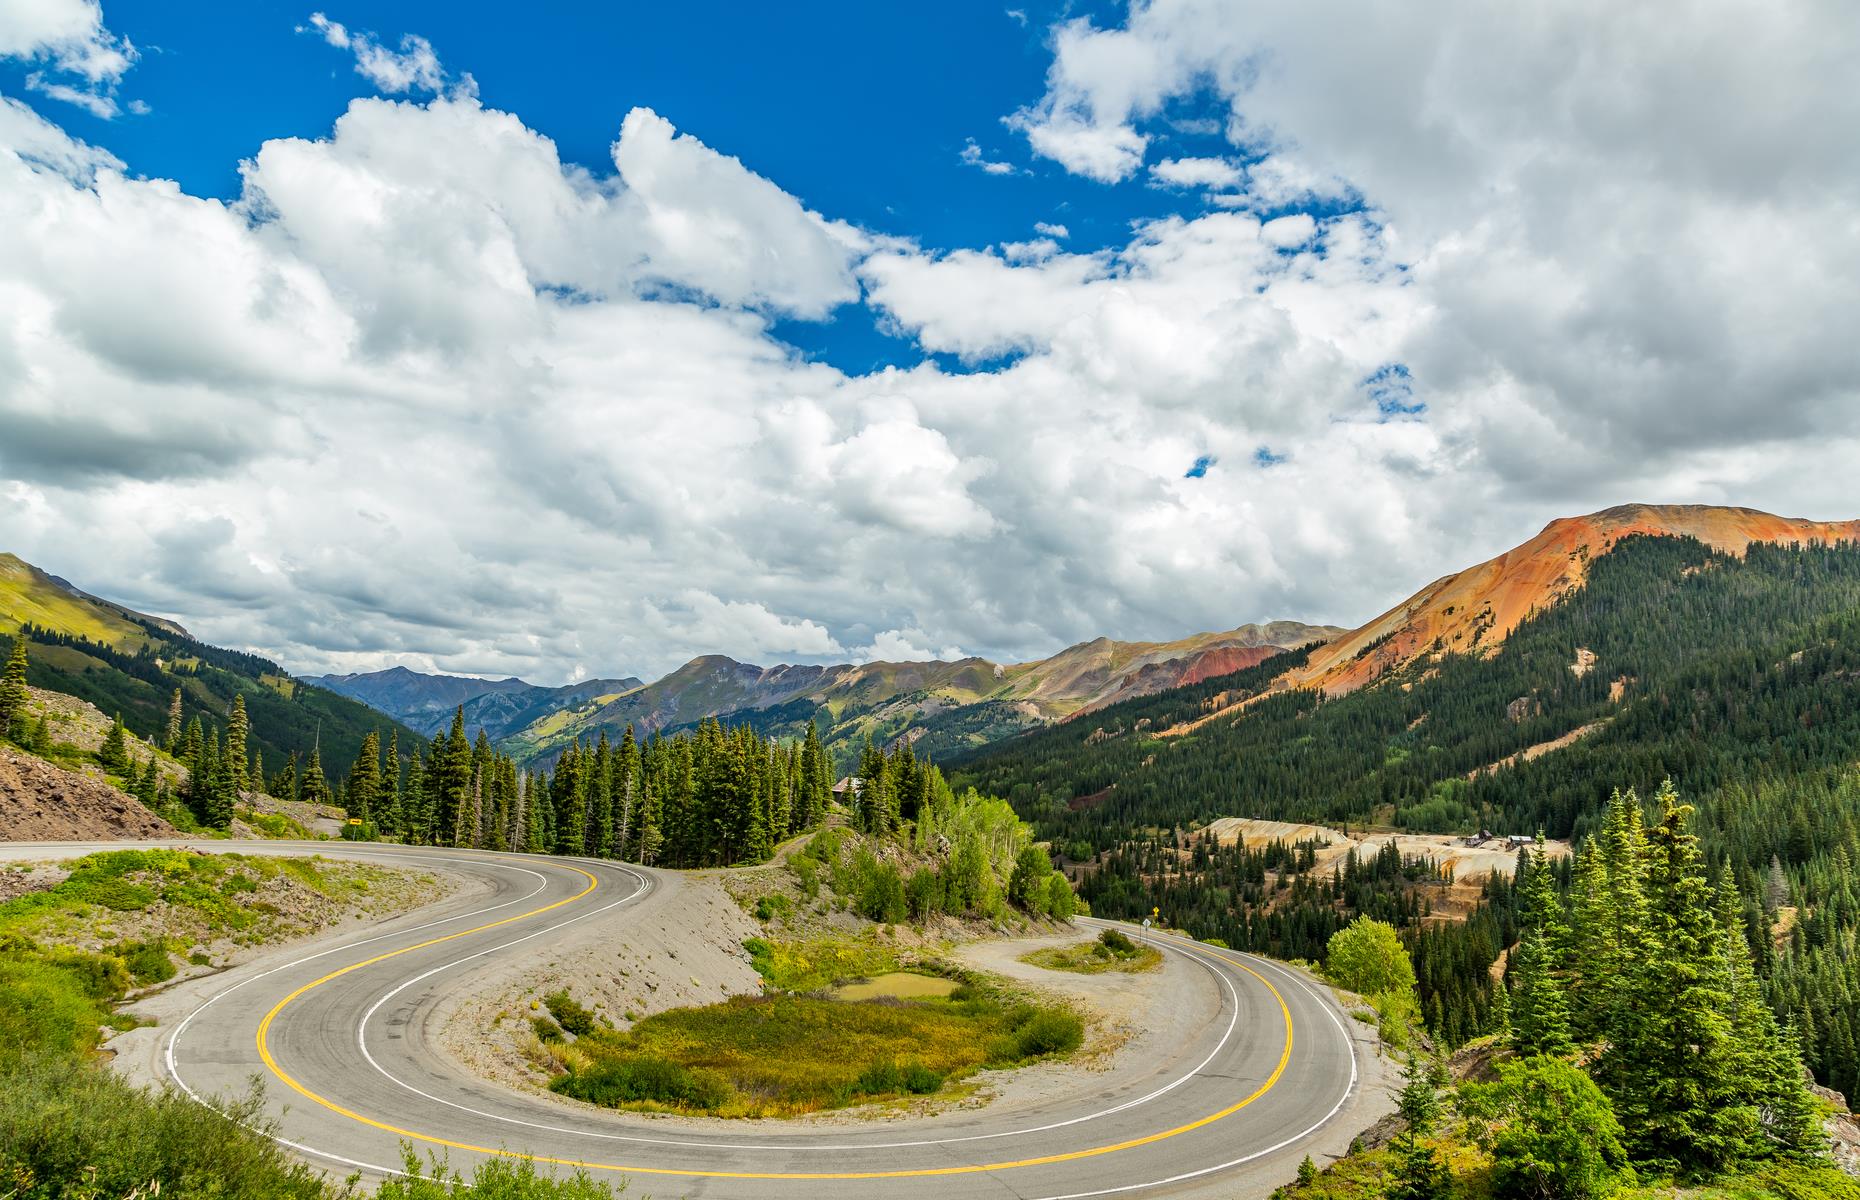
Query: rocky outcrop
(40, 802)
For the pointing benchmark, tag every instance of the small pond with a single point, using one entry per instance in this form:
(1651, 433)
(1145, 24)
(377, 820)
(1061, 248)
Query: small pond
(898, 985)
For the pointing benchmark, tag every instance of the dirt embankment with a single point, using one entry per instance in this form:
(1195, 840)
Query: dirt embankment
(40, 802)
(683, 945)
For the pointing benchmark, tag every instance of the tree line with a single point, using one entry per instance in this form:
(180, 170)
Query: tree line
(710, 797)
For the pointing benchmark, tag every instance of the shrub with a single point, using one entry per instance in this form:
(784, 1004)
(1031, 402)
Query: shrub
(615, 1081)
(923, 893)
(569, 1014)
(881, 894)
(44, 1009)
(1554, 1134)
(1061, 904)
(78, 1130)
(1367, 957)
(1049, 1031)
(1117, 942)
(770, 907)
(492, 1179)
(880, 1078)
(148, 961)
(920, 1080)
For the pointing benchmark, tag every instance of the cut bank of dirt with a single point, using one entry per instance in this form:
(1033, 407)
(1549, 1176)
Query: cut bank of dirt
(41, 802)
(683, 946)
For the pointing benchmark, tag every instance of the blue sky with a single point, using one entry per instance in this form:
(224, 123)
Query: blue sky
(860, 110)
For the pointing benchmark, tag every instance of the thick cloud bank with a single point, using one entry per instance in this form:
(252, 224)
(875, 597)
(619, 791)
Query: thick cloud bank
(426, 393)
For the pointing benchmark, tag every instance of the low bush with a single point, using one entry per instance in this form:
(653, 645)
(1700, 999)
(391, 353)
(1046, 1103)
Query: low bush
(645, 1078)
(492, 1179)
(570, 1014)
(1117, 942)
(148, 961)
(72, 1129)
(1050, 1031)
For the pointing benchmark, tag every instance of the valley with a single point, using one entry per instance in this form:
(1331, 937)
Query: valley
(1275, 791)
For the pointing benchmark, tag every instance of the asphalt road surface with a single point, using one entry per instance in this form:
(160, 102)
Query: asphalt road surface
(344, 1035)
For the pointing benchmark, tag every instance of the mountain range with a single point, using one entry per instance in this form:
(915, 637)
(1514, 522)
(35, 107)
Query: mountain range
(498, 706)
(958, 704)
(948, 708)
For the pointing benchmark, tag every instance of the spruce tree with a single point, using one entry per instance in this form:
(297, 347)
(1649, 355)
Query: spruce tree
(238, 726)
(1538, 1007)
(1419, 1173)
(1679, 1083)
(314, 788)
(13, 693)
(114, 753)
(365, 778)
(148, 783)
(171, 735)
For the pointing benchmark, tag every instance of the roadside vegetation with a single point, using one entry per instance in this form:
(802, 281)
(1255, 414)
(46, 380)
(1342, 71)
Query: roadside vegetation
(1113, 951)
(785, 1054)
(71, 1129)
(1636, 1058)
(158, 910)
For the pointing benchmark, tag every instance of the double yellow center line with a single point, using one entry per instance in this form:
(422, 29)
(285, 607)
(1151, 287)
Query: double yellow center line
(271, 1063)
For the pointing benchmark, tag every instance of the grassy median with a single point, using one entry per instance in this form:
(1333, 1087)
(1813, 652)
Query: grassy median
(1111, 952)
(783, 1055)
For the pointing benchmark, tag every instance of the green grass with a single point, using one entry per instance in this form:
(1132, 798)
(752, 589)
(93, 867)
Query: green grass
(1111, 952)
(155, 903)
(780, 1055)
(274, 825)
(26, 597)
(809, 966)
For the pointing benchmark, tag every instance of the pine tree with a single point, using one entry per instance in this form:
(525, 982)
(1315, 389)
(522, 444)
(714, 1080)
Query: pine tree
(256, 776)
(238, 726)
(450, 777)
(314, 788)
(365, 779)
(1538, 1007)
(13, 693)
(1677, 1080)
(625, 791)
(148, 784)
(416, 820)
(1419, 1174)
(114, 753)
(284, 787)
(171, 736)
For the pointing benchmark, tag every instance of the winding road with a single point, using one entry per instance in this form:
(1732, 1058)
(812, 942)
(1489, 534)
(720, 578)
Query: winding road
(344, 1033)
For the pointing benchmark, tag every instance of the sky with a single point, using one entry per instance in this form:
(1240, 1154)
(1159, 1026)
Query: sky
(577, 343)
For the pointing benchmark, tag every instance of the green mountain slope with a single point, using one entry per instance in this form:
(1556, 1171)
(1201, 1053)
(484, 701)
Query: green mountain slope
(1735, 675)
(130, 663)
(1672, 659)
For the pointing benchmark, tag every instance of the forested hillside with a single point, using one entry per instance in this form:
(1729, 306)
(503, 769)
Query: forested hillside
(1678, 660)
(1738, 678)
